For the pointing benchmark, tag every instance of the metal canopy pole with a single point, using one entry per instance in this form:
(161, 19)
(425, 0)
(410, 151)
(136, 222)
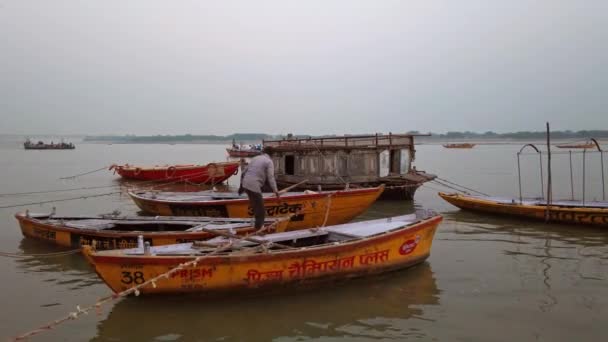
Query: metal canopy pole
(519, 178)
(603, 183)
(549, 187)
(571, 176)
(584, 153)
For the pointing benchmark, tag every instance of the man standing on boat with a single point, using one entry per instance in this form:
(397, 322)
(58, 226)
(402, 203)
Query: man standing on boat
(258, 174)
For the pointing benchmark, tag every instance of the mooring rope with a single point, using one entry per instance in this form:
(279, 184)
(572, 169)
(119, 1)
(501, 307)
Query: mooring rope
(59, 200)
(58, 190)
(85, 173)
(462, 186)
(135, 289)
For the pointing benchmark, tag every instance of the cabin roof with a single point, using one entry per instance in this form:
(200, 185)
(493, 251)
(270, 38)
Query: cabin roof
(370, 141)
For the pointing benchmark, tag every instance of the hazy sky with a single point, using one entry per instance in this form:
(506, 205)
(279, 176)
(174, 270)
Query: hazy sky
(217, 67)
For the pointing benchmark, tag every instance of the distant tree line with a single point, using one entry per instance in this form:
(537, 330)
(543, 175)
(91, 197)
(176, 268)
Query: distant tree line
(258, 137)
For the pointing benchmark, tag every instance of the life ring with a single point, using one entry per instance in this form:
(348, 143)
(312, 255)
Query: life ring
(170, 172)
(137, 171)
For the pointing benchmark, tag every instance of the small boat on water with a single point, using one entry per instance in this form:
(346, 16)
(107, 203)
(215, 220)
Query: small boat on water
(308, 209)
(242, 152)
(212, 173)
(40, 145)
(591, 213)
(459, 145)
(584, 145)
(305, 256)
(111, 232)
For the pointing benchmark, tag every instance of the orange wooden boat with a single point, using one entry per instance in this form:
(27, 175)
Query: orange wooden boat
(563, 211)
(308, 208)
(306, 256)
(110, 232)
(212, 173)
(582, 145)
(462, 145)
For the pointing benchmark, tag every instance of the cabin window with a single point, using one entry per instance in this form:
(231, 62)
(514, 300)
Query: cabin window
(405, 161)
(395, 161)
(289, 165)
(384, 163)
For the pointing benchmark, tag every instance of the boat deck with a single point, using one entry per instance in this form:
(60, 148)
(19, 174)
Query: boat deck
(543, 202)
(334, 234)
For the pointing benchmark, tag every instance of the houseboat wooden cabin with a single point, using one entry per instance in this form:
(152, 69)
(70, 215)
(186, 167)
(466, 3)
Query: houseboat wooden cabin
(357, 160)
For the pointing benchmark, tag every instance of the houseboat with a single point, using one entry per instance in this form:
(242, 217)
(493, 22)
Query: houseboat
(333, 163)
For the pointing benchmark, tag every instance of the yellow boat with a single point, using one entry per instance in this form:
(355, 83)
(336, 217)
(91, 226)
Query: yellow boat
(110, 232)
(308, 209)
(592, 213)
(305, 256)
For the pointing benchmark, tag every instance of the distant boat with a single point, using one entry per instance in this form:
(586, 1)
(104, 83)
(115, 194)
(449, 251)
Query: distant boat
(40, 145)
(243, 151)
(461, 145)
(584, 145)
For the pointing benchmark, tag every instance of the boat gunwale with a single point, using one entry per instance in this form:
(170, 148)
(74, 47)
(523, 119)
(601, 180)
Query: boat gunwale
(303, 196)
(118, 256)
(133, 168)
(132, 233)
(552, 207)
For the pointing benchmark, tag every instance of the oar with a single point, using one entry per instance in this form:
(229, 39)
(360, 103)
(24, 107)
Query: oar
(242, 238)
(292, 186)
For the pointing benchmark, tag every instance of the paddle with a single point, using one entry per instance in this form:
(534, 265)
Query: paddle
(292, 186)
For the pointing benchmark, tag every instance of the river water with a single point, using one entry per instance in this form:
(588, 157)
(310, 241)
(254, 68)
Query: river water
(487, 279)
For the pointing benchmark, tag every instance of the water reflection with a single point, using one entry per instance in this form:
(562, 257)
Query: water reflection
(373, 307)
(71, 270)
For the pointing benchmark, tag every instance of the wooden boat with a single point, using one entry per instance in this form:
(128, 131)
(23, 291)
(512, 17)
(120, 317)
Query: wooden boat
(212, 173)
(588, 144)
(308, 209)
(242, 153)
(460, 145)
(306, 256)
(572, 212)
(109, 232)
(359, 160)
(40, 145)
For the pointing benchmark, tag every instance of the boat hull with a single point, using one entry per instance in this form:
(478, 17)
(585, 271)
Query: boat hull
(307, 210)
(558, 214)
(389, 251)
(465, 145)
(213, 173)
(62, 235)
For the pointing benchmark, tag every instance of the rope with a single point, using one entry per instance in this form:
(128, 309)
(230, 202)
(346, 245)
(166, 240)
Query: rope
(44, 255)
(85, 173)
(59, 190)
(327, 210)
(464, 187)
(133, 290)
(58, 200)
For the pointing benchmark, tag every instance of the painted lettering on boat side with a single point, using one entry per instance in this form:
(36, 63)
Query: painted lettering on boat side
(193, 274)
(128, 277)
(254, 276)
(409, 246)
(77, 240)
(578, 217)
(281, 209)
(194, 210)
(374, 258)
(312, 267)
(45, 234)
